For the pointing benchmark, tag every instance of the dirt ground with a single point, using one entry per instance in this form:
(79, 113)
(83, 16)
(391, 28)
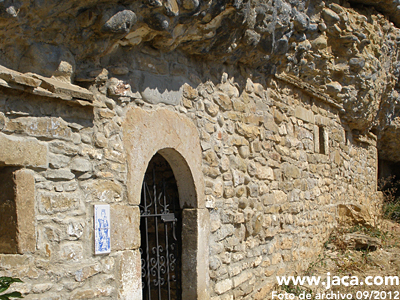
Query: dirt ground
(356, 252)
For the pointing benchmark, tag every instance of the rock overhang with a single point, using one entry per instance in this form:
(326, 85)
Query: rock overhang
(347, 53)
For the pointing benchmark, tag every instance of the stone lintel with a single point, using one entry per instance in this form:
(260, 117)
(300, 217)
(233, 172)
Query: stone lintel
(304, 114)
(17, 151)
(176, 138)
(323, 121)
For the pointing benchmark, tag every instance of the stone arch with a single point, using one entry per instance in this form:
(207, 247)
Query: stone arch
(184, 179)
(147, 132)
(175, 137)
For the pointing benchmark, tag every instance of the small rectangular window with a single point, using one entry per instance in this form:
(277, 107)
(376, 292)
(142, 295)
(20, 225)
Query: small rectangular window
(321, 136)
(347, 137)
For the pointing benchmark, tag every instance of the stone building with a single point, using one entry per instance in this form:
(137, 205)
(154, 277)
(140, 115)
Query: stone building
(247, 128)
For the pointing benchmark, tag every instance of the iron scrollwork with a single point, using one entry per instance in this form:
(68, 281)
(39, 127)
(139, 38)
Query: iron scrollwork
(160, 242)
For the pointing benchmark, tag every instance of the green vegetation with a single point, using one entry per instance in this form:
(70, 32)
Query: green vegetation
(391, 202)
(297, 289)
(5, 283)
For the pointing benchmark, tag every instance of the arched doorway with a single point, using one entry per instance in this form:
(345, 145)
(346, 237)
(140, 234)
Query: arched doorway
(160, 229)
(175, 138)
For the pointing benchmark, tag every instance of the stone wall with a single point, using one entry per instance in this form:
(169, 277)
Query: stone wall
(266, 142)
(271, 191)
(272, 195)
(75, 158)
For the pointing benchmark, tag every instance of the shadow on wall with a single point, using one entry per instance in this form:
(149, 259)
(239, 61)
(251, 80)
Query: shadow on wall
(157, 77)
(24, 110)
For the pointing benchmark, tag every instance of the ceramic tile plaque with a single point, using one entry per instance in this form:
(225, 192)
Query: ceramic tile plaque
(102, 229)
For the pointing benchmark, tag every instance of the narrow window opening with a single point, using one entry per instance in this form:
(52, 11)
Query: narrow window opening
(321, 136)
(8, 212)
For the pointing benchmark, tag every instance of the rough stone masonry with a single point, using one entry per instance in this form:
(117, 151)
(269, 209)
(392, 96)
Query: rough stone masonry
(273, 116)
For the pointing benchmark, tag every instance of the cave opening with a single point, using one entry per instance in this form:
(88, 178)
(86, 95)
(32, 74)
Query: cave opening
(389, 176)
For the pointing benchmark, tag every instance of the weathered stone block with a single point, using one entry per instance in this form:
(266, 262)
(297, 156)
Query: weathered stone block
(52, 128)
(130, 283)
(223, 101)
(244, 276)
(195, 253)
(71, 251)
(211, 158)
(63, 174)
(93, 293)
(102, 190)
(57, 161)
(25, 207)
(330, 16)
(86, 272)
(248, 131)
(9, 261)
(16, 151)
(319, 120)
(238, 178)
(264, 173)
(80, 165)
(320, 42)
(253, 190)
(223, 286)
(265, 290)
(125, 222)
(59, 147)
(41, 288)
(65, 89)
(189, 92)
(304, 114)
(50, 203)
(290, 171)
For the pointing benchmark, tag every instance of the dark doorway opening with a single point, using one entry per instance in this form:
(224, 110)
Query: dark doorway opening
(389, 185)
(160, 229)
(389, 175)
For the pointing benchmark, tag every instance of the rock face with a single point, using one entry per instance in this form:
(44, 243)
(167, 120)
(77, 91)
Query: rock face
(271, 114)
(346, 51)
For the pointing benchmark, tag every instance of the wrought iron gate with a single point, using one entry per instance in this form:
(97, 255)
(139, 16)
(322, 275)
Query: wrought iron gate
(160, 223)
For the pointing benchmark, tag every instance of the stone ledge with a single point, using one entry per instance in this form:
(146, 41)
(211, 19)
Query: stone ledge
(17, 151)
(309, 89)
(46, 87)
